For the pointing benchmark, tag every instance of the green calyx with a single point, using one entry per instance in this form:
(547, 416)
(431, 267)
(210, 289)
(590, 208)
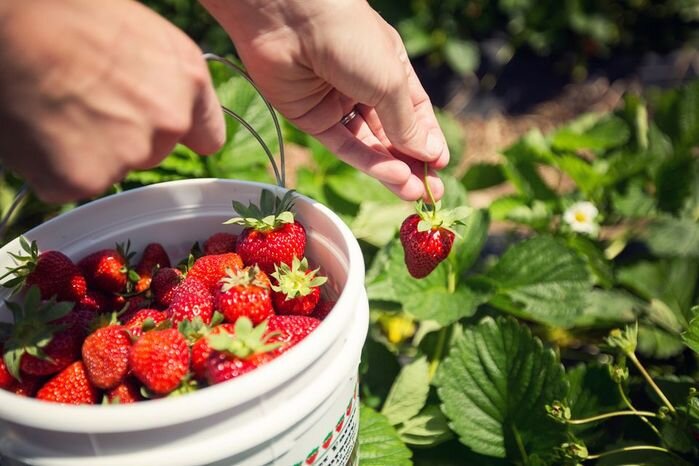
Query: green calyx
(271, 213)
(246, 341)
(296, 280)
(433, 216)
(249, 276)
(195, 329)
(32, 330)
(25, 263)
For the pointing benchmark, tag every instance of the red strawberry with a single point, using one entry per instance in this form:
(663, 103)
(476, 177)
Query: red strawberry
(147, 317)
(29, 385)
(220, 243)
(201, 350)
(6, 379)
(322, 309)
(427, 239)
(154, 256)
(70, 386)
(37, 344)
(237, 354)
(52, 271)
(291, 329)
(106, 356)
(244, 293)
(210, 269)
(297, 289)
(131, 306)
(107, 269)
(271, 235)
(124, 393)
(160, 360)
(164, 281)
(96, 301)
(191, 299)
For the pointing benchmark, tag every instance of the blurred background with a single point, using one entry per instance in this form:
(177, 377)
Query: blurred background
(495, 70)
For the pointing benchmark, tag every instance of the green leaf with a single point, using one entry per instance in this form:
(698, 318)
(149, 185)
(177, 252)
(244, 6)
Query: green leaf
(673, 237)
(454, 135)
(379, 443)
(416, 39)
(468, 245)
(462, 55)
(610, 131)
(654, 342)
(408, 393)
(494, 385)
(482, 176)
(376, 224)
(501, 207)
(605, 308)
(634, 203)
(355, 187)
(427, 429)
(521, 166)
(593, 256)
(691, 335)
(544, 280)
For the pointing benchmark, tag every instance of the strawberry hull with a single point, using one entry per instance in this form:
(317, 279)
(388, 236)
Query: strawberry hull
(278, 413)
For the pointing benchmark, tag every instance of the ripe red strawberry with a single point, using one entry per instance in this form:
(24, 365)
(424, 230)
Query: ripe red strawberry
(107, 269)
(191, 299)
(210, 269)
(106, 356)
(220, 243)
(322, 309)
(70, 386)
(52, 271)
(154, 256)
(164, 281)
(28, 387)
(37, 344)
(96, 301)
(160, 360)
(244, 293)
(427, 238)
(291, 329)
(152, 317)
(271, 235)
(6, 379)
(234, 355)
(296, 289)
(131, 306)
(201, 350)
(124, 393)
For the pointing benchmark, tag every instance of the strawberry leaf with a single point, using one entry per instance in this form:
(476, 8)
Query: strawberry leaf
(494, 386)
(691, 336)
(379, 444)
(408, 393)
(429, 428)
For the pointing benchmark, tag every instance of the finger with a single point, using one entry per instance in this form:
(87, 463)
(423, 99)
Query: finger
(417, 168)
(360, 148)
(208, 131)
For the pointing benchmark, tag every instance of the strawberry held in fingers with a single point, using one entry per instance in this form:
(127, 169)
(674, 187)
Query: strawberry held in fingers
(271, 235)
(245, 293)
(52, 271)
(296, 289)
(427, 237)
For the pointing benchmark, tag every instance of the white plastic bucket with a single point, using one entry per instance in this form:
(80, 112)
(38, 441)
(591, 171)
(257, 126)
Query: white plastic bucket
(300, 408)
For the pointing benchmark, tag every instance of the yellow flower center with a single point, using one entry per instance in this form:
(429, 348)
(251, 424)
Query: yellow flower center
(580, 217)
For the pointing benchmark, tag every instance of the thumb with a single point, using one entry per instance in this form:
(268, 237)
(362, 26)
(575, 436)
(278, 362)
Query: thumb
(208, 131)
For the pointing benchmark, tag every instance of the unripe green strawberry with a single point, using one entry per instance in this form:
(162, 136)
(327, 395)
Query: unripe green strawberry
(106, 356)
(271, 236)
(70, 386)
(160, 360)
(245, 293)
(296, 290)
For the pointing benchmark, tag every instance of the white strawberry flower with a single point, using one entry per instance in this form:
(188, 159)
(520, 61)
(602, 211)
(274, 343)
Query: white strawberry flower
(582, 218)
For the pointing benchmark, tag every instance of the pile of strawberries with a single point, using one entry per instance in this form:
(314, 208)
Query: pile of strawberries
(102, 330)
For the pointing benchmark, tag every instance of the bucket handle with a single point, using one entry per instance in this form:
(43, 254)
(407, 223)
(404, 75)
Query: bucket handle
(280, 175)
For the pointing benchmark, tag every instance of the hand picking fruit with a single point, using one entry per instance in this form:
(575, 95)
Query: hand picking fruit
(427, 236)
(99, 330)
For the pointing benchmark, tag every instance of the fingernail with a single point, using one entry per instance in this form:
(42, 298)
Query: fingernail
(435, 145)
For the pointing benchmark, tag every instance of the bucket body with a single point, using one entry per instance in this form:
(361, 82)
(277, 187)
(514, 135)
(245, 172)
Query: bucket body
(299, 409)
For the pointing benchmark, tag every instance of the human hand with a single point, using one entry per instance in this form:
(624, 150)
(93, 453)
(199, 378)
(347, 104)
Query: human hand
(315, 61)
(90, 90)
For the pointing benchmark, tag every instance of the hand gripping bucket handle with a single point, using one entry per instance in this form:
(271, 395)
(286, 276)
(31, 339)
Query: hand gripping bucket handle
(279, 170)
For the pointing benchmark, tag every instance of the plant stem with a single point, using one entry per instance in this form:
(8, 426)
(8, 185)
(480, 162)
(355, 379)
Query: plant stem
(600, 417)
(520, 445)
(651, 382)
(633, 448)
(438, 351)
(632, 408)
(427, 187)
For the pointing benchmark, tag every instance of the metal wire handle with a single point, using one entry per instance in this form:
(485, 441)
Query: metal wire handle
(280, 175)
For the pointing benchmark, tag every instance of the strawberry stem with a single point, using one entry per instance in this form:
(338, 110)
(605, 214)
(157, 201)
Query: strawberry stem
(429, 191)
